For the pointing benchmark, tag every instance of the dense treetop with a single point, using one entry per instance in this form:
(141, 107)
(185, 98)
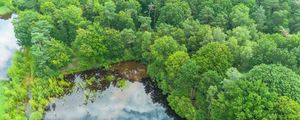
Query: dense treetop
(215, 59)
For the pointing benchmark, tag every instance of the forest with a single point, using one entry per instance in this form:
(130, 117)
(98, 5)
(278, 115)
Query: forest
(214, 59)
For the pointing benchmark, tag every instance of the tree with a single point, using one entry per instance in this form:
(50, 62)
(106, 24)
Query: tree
(243, 99)
(206, 80)
(25, 4)
(278, 78)
(182, 106)
(288, 109)
(174, 12)
(219, 35)
(214, 56)
(106, 13)
(48, 8)
(89, 46)
(124, 21)
(206, 15)
(147, 41)
(260, 18)
(132, 44)
(196, 35)
(22, 27)
(41, 32)
(67, 21)
(240, 16)
(279, 20)
(267, 52)
(242, 34)
(294, 21)
(160, 50)
(163, 47)
(49, 58)
(187, 80)
(174, 63)
(130, 5)
(114, 44)
(169, 30)
(145, 23)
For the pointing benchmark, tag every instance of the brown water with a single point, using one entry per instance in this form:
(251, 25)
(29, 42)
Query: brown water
(131, 70)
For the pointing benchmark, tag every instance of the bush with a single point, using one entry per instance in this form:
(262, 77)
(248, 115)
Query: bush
(36, 116)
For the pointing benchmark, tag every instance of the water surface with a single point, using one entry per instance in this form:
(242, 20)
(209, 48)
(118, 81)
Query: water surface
(8, 45)
(137, 101)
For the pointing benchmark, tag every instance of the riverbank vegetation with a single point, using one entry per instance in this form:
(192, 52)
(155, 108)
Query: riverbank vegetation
(5, 7)
(224, 59)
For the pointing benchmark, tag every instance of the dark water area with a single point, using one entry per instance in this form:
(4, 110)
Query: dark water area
(8, 44)
(131, 70)
(139, 100)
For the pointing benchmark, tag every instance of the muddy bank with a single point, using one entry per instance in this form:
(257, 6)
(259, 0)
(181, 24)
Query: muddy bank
(131, 70)
(6, 16)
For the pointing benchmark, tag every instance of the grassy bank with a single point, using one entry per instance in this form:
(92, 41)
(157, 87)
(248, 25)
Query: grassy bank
(2, 97)
(4, 9)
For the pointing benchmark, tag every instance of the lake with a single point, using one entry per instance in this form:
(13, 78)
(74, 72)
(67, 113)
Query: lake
(139, 100)
(8, 45)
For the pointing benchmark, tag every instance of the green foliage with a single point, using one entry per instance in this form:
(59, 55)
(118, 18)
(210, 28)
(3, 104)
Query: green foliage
(16, 95)
(288, 109)
(3, 98)
(206, 80)
(110, 78)
(25, 4)
(36, 116)
(278, 78)
(58, 36)
(19, 69)
(160, 50)
(187, 80)
(89, 46)
(22, 26)
(41, 96)
(240, 16)
(122, 84)
(174, 63)
(196, 35)
(49, 58)
(183, 107)
(243, 100)
(214, 56)
(268, 52)
(67, 20)
(5, 7)
(174, 12)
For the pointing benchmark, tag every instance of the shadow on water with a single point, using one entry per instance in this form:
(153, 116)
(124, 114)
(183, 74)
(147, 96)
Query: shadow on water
(103, 100)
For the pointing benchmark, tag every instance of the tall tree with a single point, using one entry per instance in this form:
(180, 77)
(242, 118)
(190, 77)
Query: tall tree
(174, 12)
(214, 56)
(23, 26)
(240, 16)
(243, 100)
(278, 78)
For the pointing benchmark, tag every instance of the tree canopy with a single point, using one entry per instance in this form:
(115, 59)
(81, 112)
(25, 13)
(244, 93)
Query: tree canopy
(212, 59)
